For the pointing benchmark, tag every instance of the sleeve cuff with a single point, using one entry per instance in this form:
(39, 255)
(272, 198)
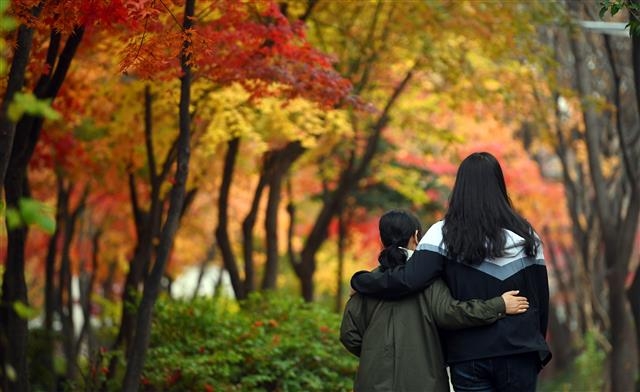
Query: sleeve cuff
(499, 307)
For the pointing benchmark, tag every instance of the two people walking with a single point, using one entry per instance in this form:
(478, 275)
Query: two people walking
(452, 300)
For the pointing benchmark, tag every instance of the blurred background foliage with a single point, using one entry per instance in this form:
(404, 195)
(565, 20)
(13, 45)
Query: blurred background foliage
(302, 121)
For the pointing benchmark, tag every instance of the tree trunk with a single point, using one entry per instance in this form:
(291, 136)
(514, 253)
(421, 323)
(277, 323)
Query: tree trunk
(14, 290)
(634, 290)
(247, 231)
(283, 159)
(622, 355)
(271, 229)
(27, 132)
(147, 227)
(342, 236)
(563, 352)
(65, 289)
(634, 299)
(617, 229)
(306, 265)
(50, 296)
(211, 252)
(15, 82)
(13, 332)
(222, 233)
(135, 361)
(66, 302)
(87, 284)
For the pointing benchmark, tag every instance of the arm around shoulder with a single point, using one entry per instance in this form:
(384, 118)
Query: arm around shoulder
(451, 314)
(414, 276)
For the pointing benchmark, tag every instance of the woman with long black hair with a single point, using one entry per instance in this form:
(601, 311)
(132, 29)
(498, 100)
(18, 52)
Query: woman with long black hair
(483, 247)
(398, 341)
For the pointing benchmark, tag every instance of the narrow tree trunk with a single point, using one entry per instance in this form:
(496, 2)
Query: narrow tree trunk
(563, 352)
(634, 299)
(87, 284)
(147, 228)
(135, 361)
(634, 290)
(248, 226)
(11, 328)
(347, 183)
(15, 82)
(222, 233)
(342, 236)
(67, 303)
(211, 252)
(283, 159)
(27, 132)
(14, 289)
(65, 290)
(622, 365)
(617, 232)
(271, 228)
(50, 296)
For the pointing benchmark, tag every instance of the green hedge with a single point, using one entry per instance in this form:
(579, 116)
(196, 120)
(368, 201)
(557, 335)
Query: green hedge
(266, 343)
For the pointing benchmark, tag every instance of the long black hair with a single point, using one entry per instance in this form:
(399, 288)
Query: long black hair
(479, 210)
(396, 229)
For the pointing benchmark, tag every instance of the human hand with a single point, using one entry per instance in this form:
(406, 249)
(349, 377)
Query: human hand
(514, 304)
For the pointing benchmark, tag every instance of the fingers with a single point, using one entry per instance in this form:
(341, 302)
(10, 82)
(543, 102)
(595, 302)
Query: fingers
(512, 292)
(515, 304)
(522, 305)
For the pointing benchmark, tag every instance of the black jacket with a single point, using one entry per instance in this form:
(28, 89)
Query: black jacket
(515, 271)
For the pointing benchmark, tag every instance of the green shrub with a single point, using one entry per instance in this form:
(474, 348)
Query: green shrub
(586, 372)
(589, 366)
(266, 343)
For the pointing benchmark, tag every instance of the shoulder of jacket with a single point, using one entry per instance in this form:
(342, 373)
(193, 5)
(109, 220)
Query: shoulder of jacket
(432, 240)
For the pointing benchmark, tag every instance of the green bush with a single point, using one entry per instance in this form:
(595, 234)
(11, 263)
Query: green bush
(586, 372)
(266, 343)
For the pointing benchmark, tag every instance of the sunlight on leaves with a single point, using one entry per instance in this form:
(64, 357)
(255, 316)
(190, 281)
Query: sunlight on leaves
(29, 104)
(32, 213)
(25, 311)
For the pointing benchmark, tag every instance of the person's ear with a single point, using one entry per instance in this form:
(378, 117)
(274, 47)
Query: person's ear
(414, 239)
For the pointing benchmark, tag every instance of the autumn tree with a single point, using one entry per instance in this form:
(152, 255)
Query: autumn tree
(596, 139)
(42, 72)
(385, 67)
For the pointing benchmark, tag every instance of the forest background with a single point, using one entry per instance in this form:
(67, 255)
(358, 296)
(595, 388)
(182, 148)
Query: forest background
(253, 145)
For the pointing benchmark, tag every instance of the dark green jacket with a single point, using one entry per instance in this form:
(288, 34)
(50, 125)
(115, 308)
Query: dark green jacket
(398, 342)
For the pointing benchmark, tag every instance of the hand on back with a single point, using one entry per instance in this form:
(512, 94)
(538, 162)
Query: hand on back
(515, 304)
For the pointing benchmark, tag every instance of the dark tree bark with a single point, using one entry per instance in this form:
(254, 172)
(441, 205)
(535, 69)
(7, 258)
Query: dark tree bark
(27, 132)
(248, 226)
(50, 296)
(87, 285)
(283, 159)
(634, 299)
(147, 224)
(65, 300)
(618, 226)
(222, 231)
(305, 265)
(634, 291)
(211, 252)
(15, 82)
(135, 359)
(342, 239)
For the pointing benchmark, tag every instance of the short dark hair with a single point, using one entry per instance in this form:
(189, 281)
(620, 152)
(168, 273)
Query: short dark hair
(479, 211)
(396, 229)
